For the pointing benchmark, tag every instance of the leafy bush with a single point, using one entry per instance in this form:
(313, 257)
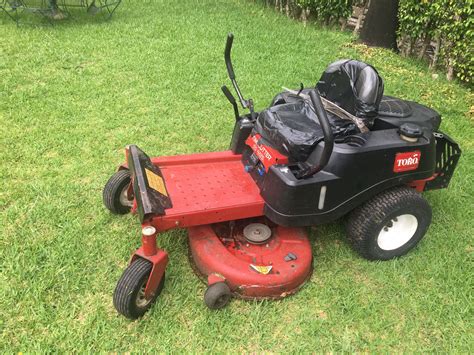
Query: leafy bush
(326, 10)
(450, 22)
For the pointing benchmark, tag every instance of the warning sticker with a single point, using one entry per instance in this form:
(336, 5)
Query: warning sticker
(264, 270)
(156, 182)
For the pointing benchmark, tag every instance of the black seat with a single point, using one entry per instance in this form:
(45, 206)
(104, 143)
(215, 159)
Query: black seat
(290, 124)
(394, 107)
(354, 86)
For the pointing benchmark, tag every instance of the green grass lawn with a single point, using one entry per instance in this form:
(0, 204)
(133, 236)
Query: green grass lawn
(72, 96)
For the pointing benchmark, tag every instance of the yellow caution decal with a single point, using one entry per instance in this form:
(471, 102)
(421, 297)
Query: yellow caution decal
(156, 182)
(264, 270)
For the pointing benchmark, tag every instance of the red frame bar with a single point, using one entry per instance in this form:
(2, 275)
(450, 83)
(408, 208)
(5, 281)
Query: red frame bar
(159, 262)
(419, 185)
(197, 158)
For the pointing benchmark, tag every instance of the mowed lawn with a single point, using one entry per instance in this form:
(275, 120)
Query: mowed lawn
(72, 96)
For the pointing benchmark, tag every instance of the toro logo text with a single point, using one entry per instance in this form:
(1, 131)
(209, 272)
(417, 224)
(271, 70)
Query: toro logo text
(406, 161)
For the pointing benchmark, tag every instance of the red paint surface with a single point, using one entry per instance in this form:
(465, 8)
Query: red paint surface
(215, 278)
(204, 188)
(419, 185)
(207, 188)
(159, 261)
(267, 155)
(149, 244)
(231, 258)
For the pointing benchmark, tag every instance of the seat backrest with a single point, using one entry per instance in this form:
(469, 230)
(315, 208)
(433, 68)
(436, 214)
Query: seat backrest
(353, 85)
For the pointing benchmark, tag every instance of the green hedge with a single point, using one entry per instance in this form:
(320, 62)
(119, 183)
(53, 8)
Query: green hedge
(327, 10)
(450, 23)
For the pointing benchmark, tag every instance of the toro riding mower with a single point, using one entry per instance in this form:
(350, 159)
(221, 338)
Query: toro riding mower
(314, 155)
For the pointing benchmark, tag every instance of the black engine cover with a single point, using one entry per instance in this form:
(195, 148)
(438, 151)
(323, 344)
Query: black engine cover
(355, 173)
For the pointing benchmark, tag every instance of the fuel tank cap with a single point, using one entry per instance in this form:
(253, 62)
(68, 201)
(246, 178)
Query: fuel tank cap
(410, 132)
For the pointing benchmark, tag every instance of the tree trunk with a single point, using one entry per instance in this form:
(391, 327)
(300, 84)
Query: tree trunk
(411, 45)
(343, 24)
(450, 73)
(304, 17)
(404, 45)
(326, 21)
(380, 24)
(360, 18)
(437, 49)
(426, 42)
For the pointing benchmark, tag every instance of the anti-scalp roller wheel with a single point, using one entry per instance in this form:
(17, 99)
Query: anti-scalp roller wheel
(217, 295)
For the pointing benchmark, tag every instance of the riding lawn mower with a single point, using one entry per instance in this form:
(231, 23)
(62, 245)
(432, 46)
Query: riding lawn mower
(314, 155)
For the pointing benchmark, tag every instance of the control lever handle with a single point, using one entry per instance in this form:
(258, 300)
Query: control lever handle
(232, 101)
(228, 61)
(328, 137)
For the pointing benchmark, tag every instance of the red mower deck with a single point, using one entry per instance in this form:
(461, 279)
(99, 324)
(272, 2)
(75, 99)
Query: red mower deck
(274, 269)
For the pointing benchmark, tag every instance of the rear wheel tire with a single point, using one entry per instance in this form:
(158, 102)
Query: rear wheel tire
(217, 295)
(115, 193)
(129, 294)
(389, 225)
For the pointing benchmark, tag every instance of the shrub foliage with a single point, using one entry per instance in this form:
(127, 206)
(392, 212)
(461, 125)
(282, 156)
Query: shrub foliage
(449, 24)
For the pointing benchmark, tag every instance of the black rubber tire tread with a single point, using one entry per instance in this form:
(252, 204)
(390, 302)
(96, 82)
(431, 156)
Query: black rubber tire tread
(217, 295)
(112, 190)
(128, 286)
(366, 221)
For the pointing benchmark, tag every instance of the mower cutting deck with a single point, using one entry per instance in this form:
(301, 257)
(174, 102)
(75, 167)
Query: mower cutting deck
(313, 156)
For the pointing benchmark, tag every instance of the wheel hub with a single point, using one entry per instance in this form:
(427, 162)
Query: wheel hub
(141, 301)
(124, 201)
(397, 232)
(257, 233)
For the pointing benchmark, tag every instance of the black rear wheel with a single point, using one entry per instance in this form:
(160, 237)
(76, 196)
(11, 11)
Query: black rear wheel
(129, 294)
(390, 224)
(115, 193)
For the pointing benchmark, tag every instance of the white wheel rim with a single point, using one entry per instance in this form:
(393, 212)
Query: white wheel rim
(124, 201)
(397, 232)
(141, 301)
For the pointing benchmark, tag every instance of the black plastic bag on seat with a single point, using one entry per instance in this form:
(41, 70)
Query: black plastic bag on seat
(354, 86)
(292, 127)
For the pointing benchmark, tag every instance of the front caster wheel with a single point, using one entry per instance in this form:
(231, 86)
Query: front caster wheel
(115, 193)
(129, 294)
(217, 295)
(390, 224)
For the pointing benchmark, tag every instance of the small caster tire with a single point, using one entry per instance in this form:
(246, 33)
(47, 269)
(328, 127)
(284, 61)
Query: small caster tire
(129, 294)
(390, 224)
(115, 193)
(217, 295)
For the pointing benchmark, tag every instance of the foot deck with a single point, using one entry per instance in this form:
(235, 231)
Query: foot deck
(207, 188)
